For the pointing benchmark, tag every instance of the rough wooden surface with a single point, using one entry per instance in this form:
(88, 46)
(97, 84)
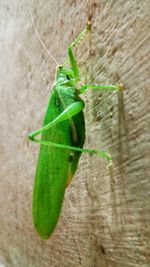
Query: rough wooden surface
(105, 220)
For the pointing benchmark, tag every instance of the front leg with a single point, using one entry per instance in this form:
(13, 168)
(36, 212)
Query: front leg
(72, 58)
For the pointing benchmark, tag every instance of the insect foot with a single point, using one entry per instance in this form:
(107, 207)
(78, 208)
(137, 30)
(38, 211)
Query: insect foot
(30, 137)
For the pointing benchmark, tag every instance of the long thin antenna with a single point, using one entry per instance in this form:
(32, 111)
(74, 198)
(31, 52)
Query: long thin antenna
(49, 53)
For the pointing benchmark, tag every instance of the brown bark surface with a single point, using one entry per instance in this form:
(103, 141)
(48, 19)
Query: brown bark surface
(105, 220)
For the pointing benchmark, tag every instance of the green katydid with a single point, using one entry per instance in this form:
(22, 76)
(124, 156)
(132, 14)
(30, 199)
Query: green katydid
(61, 143)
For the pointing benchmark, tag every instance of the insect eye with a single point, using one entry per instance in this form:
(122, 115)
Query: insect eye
(68, 77)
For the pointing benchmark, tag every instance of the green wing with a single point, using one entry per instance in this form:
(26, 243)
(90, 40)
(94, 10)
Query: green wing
(55, 165)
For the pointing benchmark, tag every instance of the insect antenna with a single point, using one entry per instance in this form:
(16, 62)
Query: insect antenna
(37, 34)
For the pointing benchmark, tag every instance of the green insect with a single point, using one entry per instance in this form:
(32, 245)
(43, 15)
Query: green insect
(61, 143)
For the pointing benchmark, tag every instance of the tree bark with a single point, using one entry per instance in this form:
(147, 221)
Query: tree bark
(105, 219)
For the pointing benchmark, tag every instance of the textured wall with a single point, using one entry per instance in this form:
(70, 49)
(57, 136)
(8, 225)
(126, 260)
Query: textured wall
(105, 219)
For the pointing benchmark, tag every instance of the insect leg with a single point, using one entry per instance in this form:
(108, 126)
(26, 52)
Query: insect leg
(67, 113)
(74, 64)
(83, 88)
(70, 52)
(81, 35)
(70, 111)
(99, 153)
